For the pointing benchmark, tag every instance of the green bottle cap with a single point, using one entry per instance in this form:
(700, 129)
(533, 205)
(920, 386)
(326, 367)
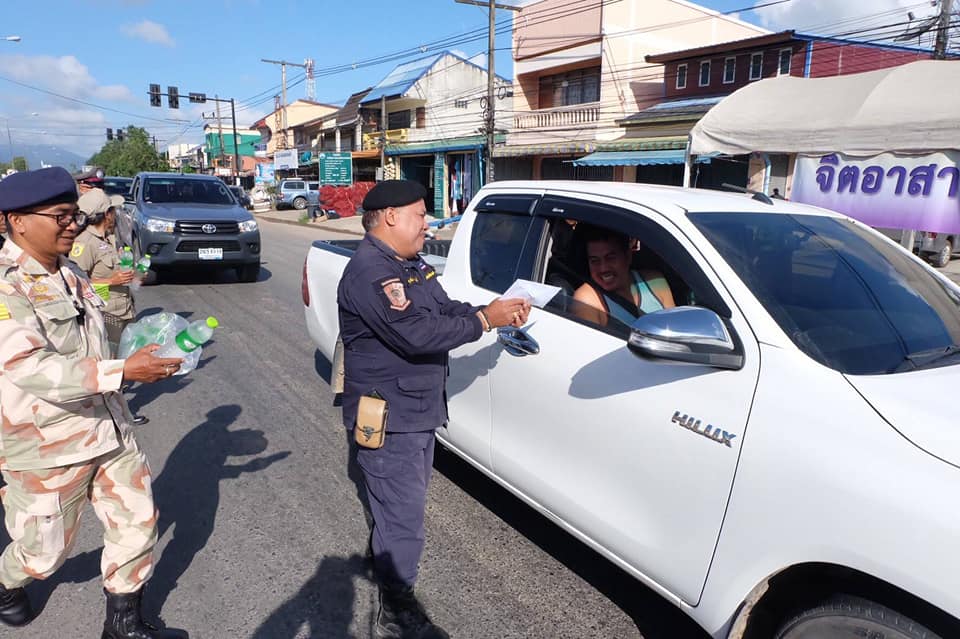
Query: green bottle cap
(212, 322)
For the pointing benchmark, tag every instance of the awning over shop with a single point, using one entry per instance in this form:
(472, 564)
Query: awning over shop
(635, 158)
(907, 109)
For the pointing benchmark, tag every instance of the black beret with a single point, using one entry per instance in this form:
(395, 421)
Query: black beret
(393, 193)
(27, 189)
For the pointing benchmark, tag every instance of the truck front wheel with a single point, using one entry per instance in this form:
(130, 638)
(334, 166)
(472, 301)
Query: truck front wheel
(300, 203)
(847, 617)
(248, 272)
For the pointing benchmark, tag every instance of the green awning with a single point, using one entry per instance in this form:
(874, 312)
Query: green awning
(635, 158)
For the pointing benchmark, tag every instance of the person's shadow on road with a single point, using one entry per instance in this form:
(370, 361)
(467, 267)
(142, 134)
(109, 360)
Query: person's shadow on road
(187, 493)
(325, 604)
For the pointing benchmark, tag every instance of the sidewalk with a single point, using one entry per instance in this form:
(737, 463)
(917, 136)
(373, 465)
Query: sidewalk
(348, 225)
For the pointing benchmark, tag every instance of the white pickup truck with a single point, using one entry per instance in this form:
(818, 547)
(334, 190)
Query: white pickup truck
(776, 456)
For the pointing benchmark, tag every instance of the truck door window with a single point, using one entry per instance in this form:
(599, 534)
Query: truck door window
(658, 270)
(497, 255)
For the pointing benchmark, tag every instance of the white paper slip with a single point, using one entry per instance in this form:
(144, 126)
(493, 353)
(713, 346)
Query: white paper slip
(534, 292)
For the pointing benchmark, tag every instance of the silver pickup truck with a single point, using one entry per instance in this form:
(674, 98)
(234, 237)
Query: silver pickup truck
(190, 220)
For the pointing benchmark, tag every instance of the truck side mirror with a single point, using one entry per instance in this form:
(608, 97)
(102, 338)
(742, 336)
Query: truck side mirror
(686, 334)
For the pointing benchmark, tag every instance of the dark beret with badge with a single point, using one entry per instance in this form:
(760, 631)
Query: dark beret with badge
(28, 189)
(393, 193)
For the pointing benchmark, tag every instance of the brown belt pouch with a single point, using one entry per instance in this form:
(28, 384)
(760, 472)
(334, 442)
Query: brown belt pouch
(371, 428)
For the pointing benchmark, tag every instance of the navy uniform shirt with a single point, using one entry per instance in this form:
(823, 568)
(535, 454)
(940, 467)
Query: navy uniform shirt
(397, 325)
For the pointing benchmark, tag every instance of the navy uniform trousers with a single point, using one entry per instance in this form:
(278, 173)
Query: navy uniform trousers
(397, 325)
(396, 478)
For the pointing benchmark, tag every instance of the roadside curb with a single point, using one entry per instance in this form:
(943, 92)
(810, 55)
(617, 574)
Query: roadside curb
(280, 220)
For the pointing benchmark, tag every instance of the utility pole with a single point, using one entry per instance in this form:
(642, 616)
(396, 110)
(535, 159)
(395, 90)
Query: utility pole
(236, 145)
(283, 82)
(490, 114)
(943, 30)
(219, 131)
(383, 137)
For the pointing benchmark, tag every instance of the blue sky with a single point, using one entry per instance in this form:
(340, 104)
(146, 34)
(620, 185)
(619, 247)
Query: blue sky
(105, 53)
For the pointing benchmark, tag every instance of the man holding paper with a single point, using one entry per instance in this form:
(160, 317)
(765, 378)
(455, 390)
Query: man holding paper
(398, 326)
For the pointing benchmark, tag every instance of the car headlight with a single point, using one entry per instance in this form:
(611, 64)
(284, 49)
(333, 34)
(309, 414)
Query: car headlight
(159, 226)
(247, 226)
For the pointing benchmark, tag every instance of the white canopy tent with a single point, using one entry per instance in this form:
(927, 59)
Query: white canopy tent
(911, 109)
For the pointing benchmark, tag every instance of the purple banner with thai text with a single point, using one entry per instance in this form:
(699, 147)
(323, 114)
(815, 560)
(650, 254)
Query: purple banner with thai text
(917, 192)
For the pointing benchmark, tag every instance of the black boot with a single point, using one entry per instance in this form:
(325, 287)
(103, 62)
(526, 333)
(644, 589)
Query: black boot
(402, 617)
(15, 609)
(124, 622)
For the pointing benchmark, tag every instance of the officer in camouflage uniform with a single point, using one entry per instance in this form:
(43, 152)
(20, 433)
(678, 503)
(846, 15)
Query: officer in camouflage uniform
(65, 434)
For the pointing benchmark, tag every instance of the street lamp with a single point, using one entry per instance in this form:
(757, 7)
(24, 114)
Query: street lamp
(11, 38)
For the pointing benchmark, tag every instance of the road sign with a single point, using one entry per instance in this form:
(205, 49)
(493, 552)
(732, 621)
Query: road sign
(198, 98)
(336, 168)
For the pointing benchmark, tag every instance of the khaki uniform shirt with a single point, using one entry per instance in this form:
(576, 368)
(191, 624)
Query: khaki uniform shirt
(98, 257)
(59, 399)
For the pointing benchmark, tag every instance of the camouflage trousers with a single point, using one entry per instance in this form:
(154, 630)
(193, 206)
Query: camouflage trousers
(43, 509)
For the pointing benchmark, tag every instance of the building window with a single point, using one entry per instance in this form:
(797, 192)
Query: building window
(573, 87)
(681, 76)
(461, 104)
(729, 70)
(756, 66)
(783, 68)
(398, 120)
(705, 73)
(421, 117)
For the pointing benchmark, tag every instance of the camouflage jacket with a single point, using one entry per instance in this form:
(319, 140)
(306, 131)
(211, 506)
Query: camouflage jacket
(59, 399)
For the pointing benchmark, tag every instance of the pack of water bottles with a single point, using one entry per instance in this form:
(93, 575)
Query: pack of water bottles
(176, 336)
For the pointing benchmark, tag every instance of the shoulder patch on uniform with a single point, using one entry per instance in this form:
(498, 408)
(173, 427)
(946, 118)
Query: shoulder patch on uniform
(77, 250)
(396, 294)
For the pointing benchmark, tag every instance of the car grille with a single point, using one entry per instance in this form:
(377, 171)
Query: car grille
(196, 228)
(191, 246)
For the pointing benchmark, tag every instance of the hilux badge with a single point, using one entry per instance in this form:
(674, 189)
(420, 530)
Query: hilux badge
(710, 431)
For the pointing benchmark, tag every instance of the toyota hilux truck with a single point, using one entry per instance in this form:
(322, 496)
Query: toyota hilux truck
(190, 221)
(776, 455)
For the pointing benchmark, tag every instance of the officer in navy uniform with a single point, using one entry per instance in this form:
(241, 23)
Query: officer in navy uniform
(398, 325)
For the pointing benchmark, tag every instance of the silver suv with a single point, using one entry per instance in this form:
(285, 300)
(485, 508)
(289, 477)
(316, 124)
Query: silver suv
(298, 193)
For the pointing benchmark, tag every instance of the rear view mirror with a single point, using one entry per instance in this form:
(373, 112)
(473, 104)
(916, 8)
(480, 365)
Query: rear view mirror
(686, 334)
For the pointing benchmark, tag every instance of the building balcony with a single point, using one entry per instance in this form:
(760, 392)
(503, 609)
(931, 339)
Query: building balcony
(568, 116)
(371, 141)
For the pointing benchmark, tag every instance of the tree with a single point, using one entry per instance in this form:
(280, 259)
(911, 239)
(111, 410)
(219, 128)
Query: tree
(129, 157)
(20, 163)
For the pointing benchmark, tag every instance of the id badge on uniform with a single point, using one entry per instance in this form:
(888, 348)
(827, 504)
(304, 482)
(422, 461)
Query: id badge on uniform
(371, 428)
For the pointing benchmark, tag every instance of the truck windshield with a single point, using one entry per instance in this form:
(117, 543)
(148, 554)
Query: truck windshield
(165, 190)
(847, 298)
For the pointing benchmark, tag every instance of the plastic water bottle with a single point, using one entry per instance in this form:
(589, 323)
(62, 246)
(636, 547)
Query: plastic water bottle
(187, 343)
(126, 259)
(141, 268)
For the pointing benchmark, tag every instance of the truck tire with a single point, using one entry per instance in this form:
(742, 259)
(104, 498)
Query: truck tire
(248, 272)
(848, 617)
(299, 203)
(942, 257)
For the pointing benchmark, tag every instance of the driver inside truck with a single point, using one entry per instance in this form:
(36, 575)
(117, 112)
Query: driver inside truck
(614, 289)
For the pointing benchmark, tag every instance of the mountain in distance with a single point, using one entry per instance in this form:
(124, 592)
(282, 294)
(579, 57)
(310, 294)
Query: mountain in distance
(39, 155)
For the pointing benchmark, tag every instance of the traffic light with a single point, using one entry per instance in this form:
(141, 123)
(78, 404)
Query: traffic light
(154, 95)
(109, 134)
(119, 135)
(173, 98)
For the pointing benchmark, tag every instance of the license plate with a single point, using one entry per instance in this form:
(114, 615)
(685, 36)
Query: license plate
(211, 253)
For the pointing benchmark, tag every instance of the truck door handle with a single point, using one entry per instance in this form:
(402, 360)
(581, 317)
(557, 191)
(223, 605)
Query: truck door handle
(516, 342)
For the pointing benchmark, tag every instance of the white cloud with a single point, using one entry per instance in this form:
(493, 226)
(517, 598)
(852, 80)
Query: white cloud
(867, 19)
(65, 75)
(149, 31)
